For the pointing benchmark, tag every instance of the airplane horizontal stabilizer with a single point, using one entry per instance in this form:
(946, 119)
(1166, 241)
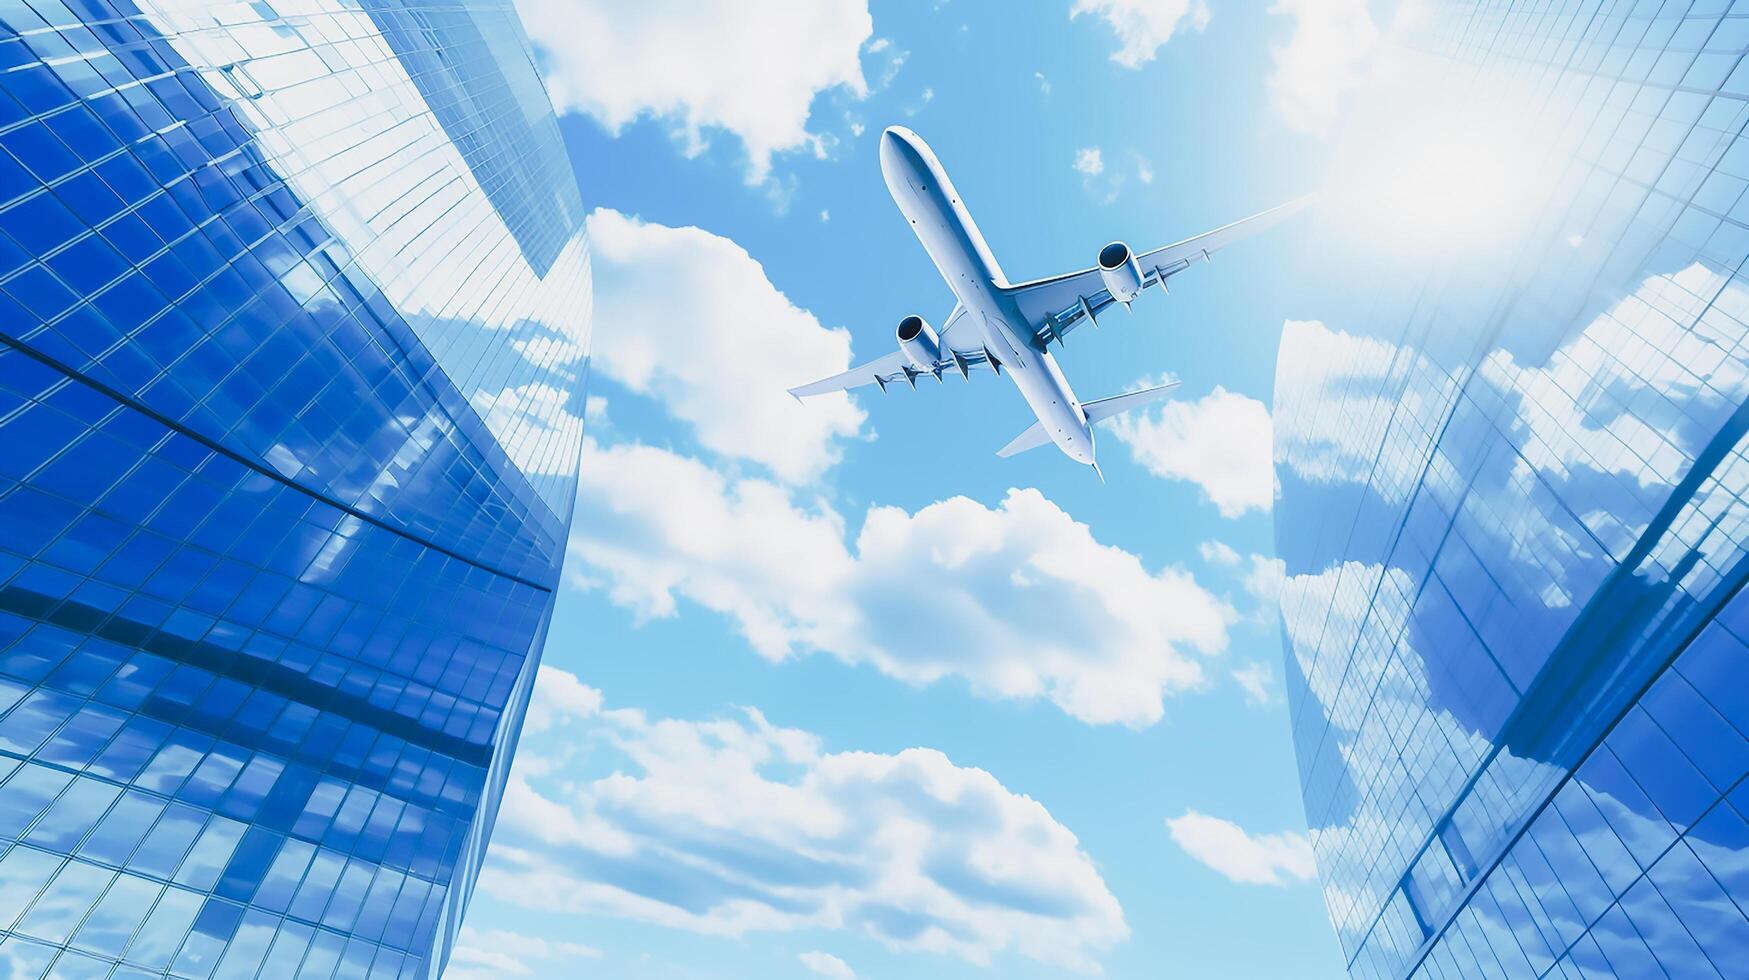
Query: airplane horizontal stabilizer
(1034, 437)
(1101, 409)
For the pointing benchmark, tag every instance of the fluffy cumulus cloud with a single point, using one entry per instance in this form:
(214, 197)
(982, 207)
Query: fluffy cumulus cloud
(827, 965)
(751, 67)
(1018, 600)
(1220, 442)
(734, 825)
(1143, 26)
(695, 322)
(481, 954)
(1328, 53)
(1260, 859)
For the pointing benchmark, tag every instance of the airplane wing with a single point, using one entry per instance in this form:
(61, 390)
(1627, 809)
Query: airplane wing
(1056, 305)
(896, 367)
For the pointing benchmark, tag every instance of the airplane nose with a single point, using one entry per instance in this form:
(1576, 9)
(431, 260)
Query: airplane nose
(900, 161)
(893, 145)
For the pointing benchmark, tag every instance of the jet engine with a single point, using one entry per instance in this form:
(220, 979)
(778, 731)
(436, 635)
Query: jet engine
(919, 343)
(1121, 272)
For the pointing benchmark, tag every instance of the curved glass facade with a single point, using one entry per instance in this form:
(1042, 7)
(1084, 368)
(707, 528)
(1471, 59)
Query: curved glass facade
(1512, 512)
(294, 314)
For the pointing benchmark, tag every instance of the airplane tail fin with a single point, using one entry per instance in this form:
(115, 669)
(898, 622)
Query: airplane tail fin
(1101, 409)
(1034, 437)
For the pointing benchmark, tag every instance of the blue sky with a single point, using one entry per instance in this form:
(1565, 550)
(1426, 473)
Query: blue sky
(832, 690)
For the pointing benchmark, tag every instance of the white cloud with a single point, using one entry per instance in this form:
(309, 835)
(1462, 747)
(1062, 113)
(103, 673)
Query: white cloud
(481, 954)
(695, 322)
(825, 215)
(1221, 442)
(1144, 173)
(535, 424)
(562, 696)
(1102, 184)
(1264, 859)
(1261, 577)
(595, 414)
(1019, 600)
(752, 67)
(827, 965)
(1218, 553)
(1089, 161)
(654, 524)
(1044, 84)
(1142, 26)
(1258, 680)
(734, 825)
(1327, 55)
(892, 60)
(1264, 581)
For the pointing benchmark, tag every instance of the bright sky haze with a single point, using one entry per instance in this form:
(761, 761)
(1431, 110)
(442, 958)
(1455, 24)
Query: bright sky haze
(832, 691)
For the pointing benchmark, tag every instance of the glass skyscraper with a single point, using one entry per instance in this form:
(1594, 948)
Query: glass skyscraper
(1512, 477)
(294, 311)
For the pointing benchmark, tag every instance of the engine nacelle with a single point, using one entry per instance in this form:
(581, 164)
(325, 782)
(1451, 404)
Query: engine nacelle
(1121, 272)
(919, 343)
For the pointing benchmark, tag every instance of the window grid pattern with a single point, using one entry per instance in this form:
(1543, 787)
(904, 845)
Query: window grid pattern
(1512, 513)
(293, 327)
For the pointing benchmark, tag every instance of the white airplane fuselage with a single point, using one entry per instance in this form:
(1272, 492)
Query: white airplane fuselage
(927, 198)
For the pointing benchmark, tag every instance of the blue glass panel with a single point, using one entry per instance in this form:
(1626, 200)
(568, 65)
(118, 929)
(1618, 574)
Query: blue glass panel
(117, 916)
(63, 904)
(1513, 476)
(258, 627)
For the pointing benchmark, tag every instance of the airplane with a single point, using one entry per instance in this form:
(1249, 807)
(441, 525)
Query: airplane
(1009, 327)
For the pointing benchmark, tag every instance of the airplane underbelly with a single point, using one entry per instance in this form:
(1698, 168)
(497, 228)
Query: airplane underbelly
(1049, 396)
(1002, 342)
(1066, 428)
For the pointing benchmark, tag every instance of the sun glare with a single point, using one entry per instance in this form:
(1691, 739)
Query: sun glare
(1430, 173)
